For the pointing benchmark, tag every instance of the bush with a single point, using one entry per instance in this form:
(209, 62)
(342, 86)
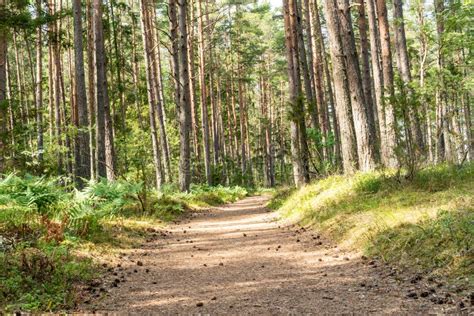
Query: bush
(37, 270)
(40, 277)
(99, 200)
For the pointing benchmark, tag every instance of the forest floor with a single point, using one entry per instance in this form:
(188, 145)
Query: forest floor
(240, 259)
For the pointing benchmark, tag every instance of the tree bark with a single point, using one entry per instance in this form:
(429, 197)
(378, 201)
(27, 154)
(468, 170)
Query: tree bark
(365, 69)
(152, 96)
(318, 69)
(38, 87)
(403, 63)
(160, 100)
(386, 113)
(341, 90)
(3, 93)
(180, 40)
(105, 140)
(203, 94)
(91, 90)
(443, 147)
(295, 98)
(192, 84)
(82, 159)
(365, 141)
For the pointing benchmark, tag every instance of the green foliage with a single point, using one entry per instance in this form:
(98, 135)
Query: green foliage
(205, 196)
(31, 192)
(444, 243)
(42, 222)
(40, 277)
(167, 208)
(424, 223)
(279, 197)
(99, 200)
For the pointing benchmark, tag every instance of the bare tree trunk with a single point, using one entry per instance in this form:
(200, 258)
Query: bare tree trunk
(82, 158)
(303, 58)
(341, 87)
(203, 88)
(136, 75)
(11, 114)
(365, 71)
(3, 93)
(192, 84)
(443, 147)
(403, 63)
(105, 140)
(365, 142)
(118, 67)
(19, 82)
(299, 165)
(422, 65)
(152, 96)
(160, 100)
(386, 113)
(179, 37)
(243, 147)
(269, 178)
(91, 90)
(38, 87)
(56, 84)
(318, 69)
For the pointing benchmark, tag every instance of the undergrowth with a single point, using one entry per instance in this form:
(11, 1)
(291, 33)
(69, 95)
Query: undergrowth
(48, 231)
(425, 224)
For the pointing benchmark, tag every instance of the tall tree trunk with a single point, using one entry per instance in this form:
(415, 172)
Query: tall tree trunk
(91, 90)
(243, 132)
(3, 93)
(192, 84)
(160, 100)
(365, 142)
(365, 69)
(38, 85)
(386, 113)
(136, 75)
(305, 71)
(269, 178)
(152, 96)
(179, 37)
(82, 158)
(341, 89)
(403, 63)
(316, 47)
(422, 65)
(19, 82)
(203, 88)
(118, 67)
(443, 140)
(105, 140)
(56, 81)
(377, 75)
(299, 165)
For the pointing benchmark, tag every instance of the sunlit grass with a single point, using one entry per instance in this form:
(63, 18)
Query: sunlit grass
(386, 215)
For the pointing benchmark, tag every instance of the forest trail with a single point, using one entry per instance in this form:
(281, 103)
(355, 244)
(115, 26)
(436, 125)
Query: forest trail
(238, 259)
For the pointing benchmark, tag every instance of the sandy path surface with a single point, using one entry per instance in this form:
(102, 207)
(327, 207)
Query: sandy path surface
(237, 259)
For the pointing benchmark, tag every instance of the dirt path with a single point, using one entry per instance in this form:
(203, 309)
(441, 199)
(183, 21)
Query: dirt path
(236, 259)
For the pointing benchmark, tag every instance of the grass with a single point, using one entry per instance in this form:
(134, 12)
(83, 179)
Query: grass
(50, 233)
(426, 224)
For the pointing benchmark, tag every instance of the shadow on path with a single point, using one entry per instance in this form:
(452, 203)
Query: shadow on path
(236, 259)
